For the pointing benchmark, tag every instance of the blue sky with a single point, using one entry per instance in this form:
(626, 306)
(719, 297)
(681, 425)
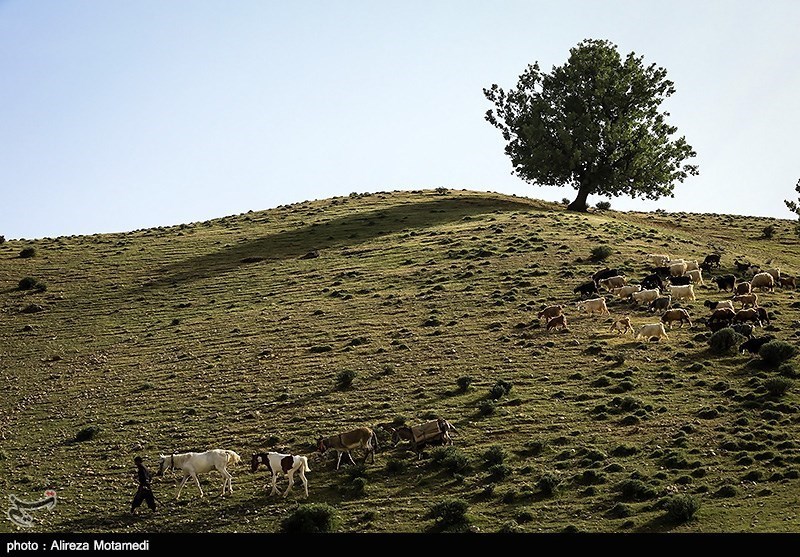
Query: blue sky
(129, 114)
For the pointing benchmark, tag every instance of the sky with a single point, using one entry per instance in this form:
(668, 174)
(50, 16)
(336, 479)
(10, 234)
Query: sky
(130, 114)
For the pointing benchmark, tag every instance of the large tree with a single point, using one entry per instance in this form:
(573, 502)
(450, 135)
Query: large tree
(593, 124)
(794, 206)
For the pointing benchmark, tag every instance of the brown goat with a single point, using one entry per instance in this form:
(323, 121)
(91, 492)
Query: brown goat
(549, 312)
(750, 314)
(556, 322)
(747, 300)
(678, 314)
(622, 325)
(787, 281)
(743, 288)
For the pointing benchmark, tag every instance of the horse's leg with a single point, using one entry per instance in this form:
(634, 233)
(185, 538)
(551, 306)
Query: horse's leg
(305, 481)
(274, 484)
(183, 483)
(291, 483)
(226, 480)
(197, 481)
(350, 457)
(338, 460)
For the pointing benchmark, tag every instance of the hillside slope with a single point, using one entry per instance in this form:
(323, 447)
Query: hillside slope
(232, 334)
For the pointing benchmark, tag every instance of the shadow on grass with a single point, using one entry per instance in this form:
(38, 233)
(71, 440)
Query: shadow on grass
(659, 524)
(340, 232)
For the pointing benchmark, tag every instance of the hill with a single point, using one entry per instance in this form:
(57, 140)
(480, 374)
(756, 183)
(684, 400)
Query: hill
(233, 334)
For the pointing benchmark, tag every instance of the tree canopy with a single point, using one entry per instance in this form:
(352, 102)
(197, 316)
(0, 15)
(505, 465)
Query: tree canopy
(594, 124)
(794, 206)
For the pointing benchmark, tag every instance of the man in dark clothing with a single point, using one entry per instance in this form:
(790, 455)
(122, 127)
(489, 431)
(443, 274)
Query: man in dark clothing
(145, 492)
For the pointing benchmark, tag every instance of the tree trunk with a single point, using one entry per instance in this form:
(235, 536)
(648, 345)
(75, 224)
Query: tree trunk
(580, 202)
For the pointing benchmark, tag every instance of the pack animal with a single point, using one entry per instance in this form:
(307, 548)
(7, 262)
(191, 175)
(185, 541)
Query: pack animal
(285, 464)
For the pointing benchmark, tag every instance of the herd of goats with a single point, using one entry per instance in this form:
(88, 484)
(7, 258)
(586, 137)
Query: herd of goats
(674, 280)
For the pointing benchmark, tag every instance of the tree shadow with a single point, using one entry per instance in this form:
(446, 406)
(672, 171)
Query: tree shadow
(339, 232)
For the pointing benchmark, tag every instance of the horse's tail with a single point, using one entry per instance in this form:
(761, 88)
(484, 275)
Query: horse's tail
(373, 439)
(304, 460)
(233, 458)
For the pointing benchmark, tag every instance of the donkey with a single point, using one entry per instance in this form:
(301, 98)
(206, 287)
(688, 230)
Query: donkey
(282, 463)
(434, 432)
(363, 438)
(192, 464)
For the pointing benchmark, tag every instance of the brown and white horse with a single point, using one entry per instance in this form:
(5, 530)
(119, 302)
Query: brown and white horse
(282, 463)
(361, 438)
(192, 464)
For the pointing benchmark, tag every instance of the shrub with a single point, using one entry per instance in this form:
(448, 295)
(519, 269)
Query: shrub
(787, 370)
(548, 484)
(87, 433)
(775, 352)
(603, 205)
(494, 455)
(2, 240)
(451, 459)
(27, 252)
(441, 191)
(620, 510)
(565, 201)
(464, 382)
(345, 378)
(314, 518)
(395, 466)
(30, 283)
(500, 389)
(601, 253)
(486, 407)
(768, 232)
(778, 386)
(449, 512)
(681, 508)
(499, 472)
(636, 490)
(724, 340)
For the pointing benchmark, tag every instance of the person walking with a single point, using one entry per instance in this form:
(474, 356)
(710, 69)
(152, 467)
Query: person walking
(145, 491)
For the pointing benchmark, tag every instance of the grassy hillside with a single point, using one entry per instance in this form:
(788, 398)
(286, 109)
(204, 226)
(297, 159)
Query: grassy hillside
(226, 334)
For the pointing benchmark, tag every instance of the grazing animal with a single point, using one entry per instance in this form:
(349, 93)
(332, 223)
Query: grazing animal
(285, 464)
(682, 292)
(622, 325)
(753, 270)
(763, 281)
(660, 304)
(678, 314)
(677, 269)
(436, 432)
(680, 281)
(559, 321)
(594, 305)
(662, 271)
(776, 274)
(586, 289)
(692, 266)
(750, 300)
(741, 267)
(744, 329)
(718, 305)
(652, 281)
(192, 464)
(652, 330)
(645, 296)
(762, 315)
(786, 281)
(754, 345)
(717, 325)
(722, 314)
(696, 276)
(658, 259)
(612, 282)
(343, 443)
(743, 287)
(626, 291)
(725, 282)
(712, 260)
(549, 312)
(606, 273)
(745, 315)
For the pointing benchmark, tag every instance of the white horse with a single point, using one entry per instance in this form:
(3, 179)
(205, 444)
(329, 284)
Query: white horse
(288, 464)
(192, 464)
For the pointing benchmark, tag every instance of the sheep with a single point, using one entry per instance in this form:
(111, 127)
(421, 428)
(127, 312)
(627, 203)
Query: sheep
(550, 312)
(556, 322)
(753, 270)
(719, 305)
(658, 259)
(645, 296)
(743, 288)
(586, 289)
(606, 273)
(652, 330)
(717, 325)
(786, 280)
(722, 314)
(672, 261)
(744, 329)
(725, 282)
(712, 260)
(692, 266)
(680, 281)
(652, 281)
(750, 314)
(747, 300)
(762, 315)
(660, 304)
(754, 345)
(626, 291)
(662, 271)
(741, 267)
(681, 292)
(622, 325)
(612, 282)
(696, 276)
(677, 269)
(679, 314)
(776, 273)
(594, 305)
(763, 281)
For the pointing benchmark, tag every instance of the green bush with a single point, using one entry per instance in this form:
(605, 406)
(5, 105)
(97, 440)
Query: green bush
(681, 508)
(396, 466)
(494, 455)
(464, 382)
(636, 490)
(449, 512)
(548, 484)
(314, 518)
(499, 472)
(601, 253)
(87, 433)
(768, 232)
(451, 459)
(486, 407)
(724, 340)
(778, 386)
(345, 379)
(27, 253)
(500, 389)
(565, 201)
(603, 205)
(776, 352)
(2, 240)
(30, 283)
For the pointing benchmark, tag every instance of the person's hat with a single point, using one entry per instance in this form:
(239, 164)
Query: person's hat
(137, 460)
